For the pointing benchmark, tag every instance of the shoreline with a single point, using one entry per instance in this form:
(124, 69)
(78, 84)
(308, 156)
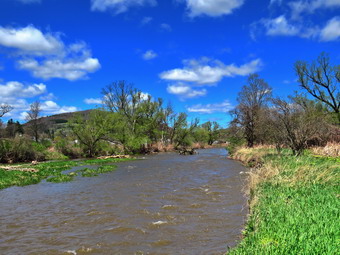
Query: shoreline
(291, 200)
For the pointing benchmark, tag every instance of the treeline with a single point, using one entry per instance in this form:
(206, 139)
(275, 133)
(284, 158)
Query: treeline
(130, 122)
(307, 118)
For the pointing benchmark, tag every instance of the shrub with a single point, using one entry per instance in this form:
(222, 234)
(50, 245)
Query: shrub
(20, 149)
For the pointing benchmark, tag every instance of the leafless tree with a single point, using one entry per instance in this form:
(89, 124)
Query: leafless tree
(252, 100)
(295, 124)
(33, 116)
(321, 80)
(5, 108)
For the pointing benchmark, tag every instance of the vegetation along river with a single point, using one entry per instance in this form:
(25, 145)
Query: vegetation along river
(166, 204)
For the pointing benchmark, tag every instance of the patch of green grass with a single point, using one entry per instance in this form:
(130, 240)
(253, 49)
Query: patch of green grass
(52, 171)
(297, 208)
(62, 178)
(87, 172)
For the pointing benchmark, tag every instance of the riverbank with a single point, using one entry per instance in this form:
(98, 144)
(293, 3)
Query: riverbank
(26, 174)
(294, 203)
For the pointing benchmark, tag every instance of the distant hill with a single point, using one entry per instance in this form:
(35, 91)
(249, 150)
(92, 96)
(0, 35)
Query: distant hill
(58, 120)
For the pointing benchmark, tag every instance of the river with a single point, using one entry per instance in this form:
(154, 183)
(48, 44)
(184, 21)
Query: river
(164, 204)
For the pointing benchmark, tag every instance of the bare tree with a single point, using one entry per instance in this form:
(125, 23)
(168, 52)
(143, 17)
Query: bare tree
(122, 98)
(322, 81)
(252, 99)
(5, 108)
(33, 116)
(294, 124)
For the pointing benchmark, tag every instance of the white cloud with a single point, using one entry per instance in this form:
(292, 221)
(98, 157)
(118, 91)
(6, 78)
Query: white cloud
(146, 20)
(279, 26)
(275, 2)
(166, 27)
(70, 69)
(206, 71)
(150, 54)
(184, 91)
(51, 107)
(93, 101)
(14, 89)
(30, 40)
(29, 1)
(49, 96)
(119, 6)
(331, 31)
(211, 108)
(212, 8)
(46, 56)
(310, 6)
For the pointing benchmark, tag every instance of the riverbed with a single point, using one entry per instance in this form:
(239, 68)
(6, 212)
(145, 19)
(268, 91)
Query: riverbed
(163, 204)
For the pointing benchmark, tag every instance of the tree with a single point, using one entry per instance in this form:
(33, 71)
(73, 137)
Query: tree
(321, 80)
(90, 131)
(33, 116)
(297, 121)
(5, 108)
(13, 128)
(252, 99)
(212, 128)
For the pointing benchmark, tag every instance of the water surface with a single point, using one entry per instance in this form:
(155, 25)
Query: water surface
(165, 204)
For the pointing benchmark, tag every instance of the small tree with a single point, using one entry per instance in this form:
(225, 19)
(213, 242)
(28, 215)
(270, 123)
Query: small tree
(32, 117)
(321, 80)
(212, 128)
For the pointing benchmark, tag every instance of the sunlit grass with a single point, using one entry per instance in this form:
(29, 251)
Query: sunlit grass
(52, 171)
(294, 204)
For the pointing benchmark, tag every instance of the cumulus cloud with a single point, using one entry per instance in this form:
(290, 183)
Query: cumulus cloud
(211, 108)
(70, 69)
(17, 95)
(119, 6)
(206, 71)
(30, 40)
(184, 91)
(331, 31)
(93, 101)
(280, 26)
(51, 107)
(46, 56)
(150, 54)
(14, 89)
(212, 8)
(310, 6)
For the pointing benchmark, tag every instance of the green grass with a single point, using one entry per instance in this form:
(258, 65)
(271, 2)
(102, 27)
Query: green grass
(52, 172)
(295, 206)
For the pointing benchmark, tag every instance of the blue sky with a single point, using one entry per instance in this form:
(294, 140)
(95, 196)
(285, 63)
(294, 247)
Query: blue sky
(196, 54)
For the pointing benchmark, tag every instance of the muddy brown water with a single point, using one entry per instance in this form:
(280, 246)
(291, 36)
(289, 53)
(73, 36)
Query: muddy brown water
(166, 204)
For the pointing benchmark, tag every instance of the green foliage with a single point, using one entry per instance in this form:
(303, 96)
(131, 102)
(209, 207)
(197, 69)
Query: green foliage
(20, 149)
(52, 171)
(90, 131)
(297, 209)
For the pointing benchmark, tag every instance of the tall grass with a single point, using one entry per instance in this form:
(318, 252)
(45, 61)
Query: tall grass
(294, 205)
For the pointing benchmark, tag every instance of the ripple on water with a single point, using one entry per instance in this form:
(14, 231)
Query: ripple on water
(168, 204)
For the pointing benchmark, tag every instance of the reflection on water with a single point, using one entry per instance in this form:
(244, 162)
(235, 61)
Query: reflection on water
(167, 204)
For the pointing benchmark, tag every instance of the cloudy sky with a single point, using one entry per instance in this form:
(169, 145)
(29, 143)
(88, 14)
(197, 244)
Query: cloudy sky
(194, 53)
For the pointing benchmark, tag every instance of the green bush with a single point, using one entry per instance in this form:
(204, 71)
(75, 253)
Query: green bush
(20, 149)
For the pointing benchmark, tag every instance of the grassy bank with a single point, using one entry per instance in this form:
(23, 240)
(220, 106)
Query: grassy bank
(26, 174)
(294, 203)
